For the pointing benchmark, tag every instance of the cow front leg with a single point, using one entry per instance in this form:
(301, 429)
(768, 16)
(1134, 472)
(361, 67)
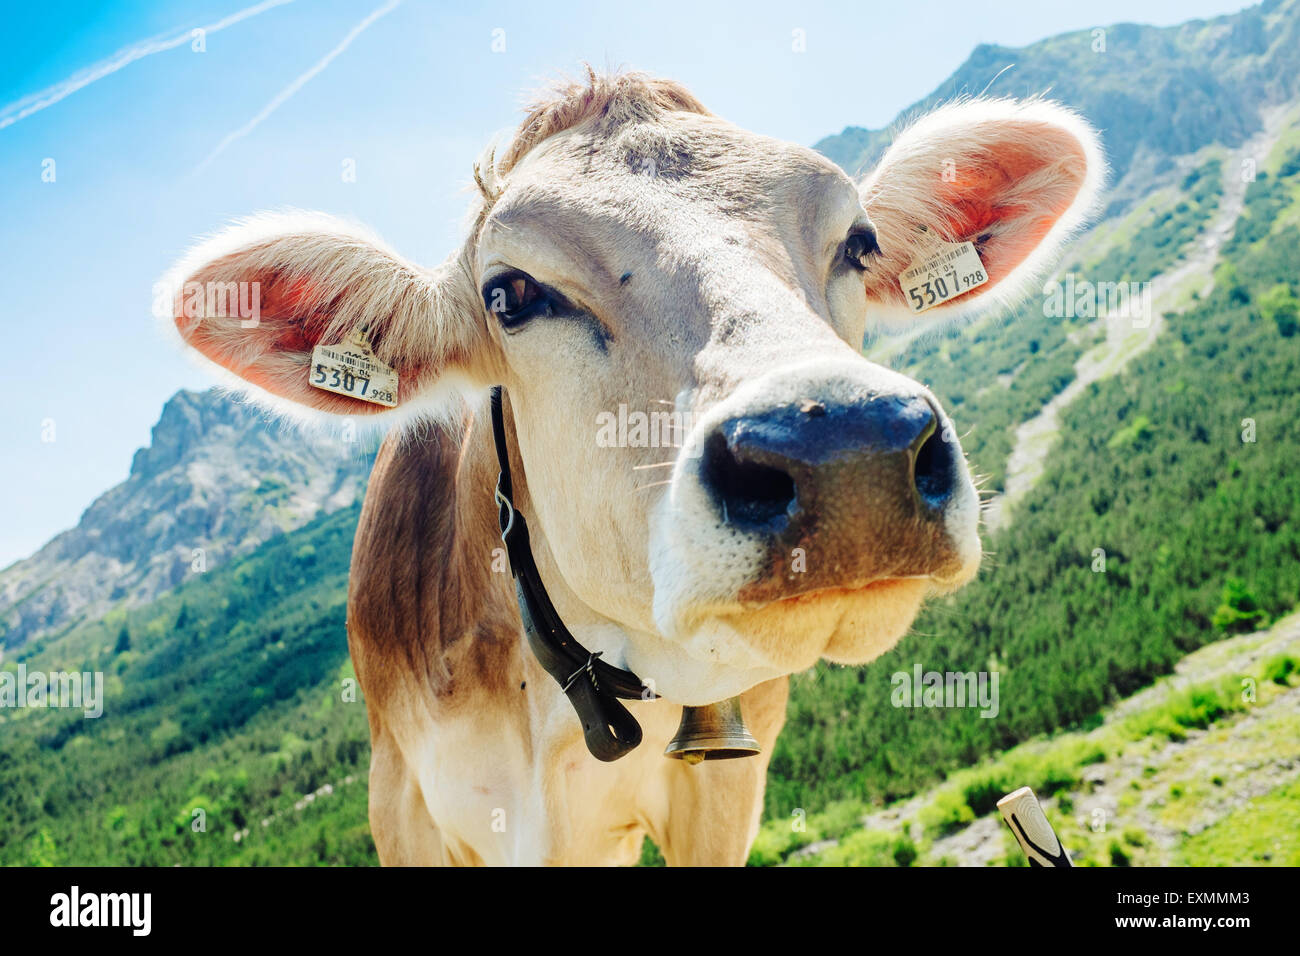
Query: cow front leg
(403, 831)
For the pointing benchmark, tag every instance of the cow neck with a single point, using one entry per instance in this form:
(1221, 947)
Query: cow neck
(592, 686)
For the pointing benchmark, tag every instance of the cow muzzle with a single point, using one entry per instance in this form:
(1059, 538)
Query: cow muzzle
(859, 489)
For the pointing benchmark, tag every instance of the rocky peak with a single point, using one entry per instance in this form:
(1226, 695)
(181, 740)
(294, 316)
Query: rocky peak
(217, 479)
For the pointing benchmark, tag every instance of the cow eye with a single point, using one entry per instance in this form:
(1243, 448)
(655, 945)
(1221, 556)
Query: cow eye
(860, 244)
(514, 298)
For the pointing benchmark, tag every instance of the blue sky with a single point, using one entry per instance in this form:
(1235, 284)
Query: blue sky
(411, 99)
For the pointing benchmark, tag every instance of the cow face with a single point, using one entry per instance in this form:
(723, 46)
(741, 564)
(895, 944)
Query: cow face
(727, 488)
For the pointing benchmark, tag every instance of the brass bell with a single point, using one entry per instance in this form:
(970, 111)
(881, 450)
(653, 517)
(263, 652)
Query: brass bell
(712, 732)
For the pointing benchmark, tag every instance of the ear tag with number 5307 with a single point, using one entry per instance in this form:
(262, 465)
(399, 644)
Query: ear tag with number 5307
(941, 271)
(351, 368)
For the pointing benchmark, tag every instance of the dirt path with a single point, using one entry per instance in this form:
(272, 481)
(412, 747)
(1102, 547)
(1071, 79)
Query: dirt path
(1127, 337)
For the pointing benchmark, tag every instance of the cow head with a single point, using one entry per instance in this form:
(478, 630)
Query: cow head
(727, 488)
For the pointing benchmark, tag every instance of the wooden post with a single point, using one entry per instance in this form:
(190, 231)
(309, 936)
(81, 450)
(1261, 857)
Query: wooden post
(1032, 831)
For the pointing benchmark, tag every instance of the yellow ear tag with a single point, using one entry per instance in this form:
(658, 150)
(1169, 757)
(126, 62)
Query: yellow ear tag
(941, 271)
(351, 368)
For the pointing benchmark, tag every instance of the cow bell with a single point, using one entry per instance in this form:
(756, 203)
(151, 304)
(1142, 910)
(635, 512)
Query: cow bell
(712, 732)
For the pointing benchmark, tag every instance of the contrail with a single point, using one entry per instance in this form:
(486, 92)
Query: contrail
(35, 102)
(297, 84)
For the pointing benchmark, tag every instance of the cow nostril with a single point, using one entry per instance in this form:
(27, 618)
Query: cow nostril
(934, 468)
(751, 496)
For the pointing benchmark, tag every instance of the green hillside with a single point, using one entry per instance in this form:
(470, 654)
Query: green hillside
(1152, 784)
(227, 696)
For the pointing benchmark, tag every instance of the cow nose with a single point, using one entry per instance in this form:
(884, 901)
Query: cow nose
(788, 466)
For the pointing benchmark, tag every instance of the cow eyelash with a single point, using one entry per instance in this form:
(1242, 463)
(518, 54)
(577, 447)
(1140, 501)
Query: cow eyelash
(515, 297)
(860, 246)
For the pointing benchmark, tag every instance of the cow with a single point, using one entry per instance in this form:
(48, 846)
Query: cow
(628, 252)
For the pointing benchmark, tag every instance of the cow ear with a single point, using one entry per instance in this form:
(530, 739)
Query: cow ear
(1013, 178)
(256, 299)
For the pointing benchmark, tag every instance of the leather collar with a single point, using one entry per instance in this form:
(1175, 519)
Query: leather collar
(592, 686)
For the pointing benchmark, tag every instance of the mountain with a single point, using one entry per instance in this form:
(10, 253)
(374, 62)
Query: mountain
(217, 480)
(1153, 92)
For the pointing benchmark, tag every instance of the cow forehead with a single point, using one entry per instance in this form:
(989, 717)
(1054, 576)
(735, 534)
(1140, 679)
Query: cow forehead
(675, 145)
(678, 171)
